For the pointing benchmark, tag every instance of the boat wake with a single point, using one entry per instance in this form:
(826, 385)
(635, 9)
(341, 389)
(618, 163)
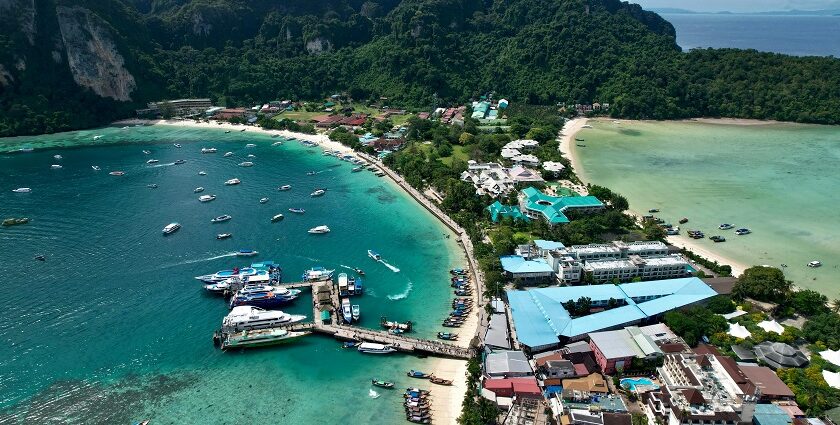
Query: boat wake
(393, 269)
(160, 165)
(402, 295)
(201, 260)
(373, 394)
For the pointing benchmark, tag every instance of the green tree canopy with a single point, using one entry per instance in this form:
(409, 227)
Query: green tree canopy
(763, 284)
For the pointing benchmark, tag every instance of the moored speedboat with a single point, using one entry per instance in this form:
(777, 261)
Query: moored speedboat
(171, 228)
(357, 169)
(250, 155)
(233, 181)
(297, 210)
(318, 230)
(814, 264)
(374, 348)
(743, 231)
(346, 311)
(221, 236)
(260, 338)
(152, 161)
(285, 187)
(221, 218)
(246, 253)
(246, 164)
(246, 317)
(277, 217)
(22, 190)
(318, 192)
(198, 190)
(117, 173)
(208, 150)
(263, 200)
(375, 255)
(356, 312)
(726, 226)
(15, 221)
(206, 198)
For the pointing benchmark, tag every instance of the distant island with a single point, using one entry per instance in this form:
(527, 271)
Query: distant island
(793, 12)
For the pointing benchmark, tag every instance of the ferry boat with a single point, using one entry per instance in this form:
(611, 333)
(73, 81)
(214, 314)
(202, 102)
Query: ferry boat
(346, 311)
(95, 167)
(374, 348)
(246, 253)
(177, 145)
(277, 217)
(206, 198)
(726, 226)
(180, 162)
(171, 228)
(22, 190)
(285, 187)
(246, 317)
(208, 150)
(152, 161)
(198, 190)
(221, 236)
(233, 181)
(117, 173)
(318, 192)
(356, 312)
(375, 255)
(297, 210)
(235, 273)
(267, 300)
(227, 154)
(221, 218)
(814, 264)
(56, 167)
(263, 200)
(317, 274)
(319, 230)
(743, 231)
(260, 338)
(246, 164)
(250, 145)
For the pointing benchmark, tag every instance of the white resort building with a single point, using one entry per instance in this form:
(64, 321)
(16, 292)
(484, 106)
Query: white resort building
(495, 180)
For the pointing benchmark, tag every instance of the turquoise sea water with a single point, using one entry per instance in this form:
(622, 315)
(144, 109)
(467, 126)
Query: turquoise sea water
(113, 327)
(780, 180)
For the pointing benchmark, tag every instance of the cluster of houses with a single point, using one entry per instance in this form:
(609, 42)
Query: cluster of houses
(615, 358)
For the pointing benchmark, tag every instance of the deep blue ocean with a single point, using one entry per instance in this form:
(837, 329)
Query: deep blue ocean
(792, 35)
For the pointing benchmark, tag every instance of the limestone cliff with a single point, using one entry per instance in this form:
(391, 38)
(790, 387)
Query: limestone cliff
(92, 55)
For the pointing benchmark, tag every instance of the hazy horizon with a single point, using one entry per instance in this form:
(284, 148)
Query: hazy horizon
(740, 6)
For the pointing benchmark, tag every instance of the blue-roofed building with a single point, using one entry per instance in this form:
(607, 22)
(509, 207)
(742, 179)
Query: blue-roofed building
(526, 271)
(770, 414)
(537, 205)
(498, 211)
(541, 322)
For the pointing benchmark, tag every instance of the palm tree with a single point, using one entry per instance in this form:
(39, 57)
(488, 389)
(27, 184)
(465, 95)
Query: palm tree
(835, 305)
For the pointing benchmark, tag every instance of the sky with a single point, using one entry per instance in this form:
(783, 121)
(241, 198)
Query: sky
(740, 5)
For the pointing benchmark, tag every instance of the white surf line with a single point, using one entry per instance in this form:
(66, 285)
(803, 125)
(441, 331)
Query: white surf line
(393, 269)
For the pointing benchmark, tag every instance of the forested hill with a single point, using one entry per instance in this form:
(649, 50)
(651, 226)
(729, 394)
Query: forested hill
(75, 63)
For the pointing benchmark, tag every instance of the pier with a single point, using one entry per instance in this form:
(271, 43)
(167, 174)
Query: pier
(325, 298)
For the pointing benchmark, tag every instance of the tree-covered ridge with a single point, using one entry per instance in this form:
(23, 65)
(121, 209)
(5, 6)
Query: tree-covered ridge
(417, 53)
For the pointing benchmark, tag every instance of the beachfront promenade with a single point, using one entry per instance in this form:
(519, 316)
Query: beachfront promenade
(463, 238)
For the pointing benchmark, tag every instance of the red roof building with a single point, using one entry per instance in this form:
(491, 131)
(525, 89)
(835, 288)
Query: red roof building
(508, 387)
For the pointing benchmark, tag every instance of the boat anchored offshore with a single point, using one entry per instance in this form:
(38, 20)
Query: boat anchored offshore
(246, 253)
(171, 228)
(277, 218)
(22, 190)
(96, 167)
(221, 218)
(319, 230)
(743, 231)
(221, 236)
(382, 384)
(180, 162)
(285, 187)
(208, 150)
(260, 338)
(117, 173)
(726, 226)
(233, 181)
(246, 164)
(263, 200)
(814, 264)
(374, 348)
(206, 198)
(227, 154)
(319, 192)
(297, 210)
(198, 190)
(246, 317)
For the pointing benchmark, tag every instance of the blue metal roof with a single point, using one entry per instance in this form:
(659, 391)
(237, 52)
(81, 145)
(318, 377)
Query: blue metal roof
(517, 264)
(539, 315)
(548, 245)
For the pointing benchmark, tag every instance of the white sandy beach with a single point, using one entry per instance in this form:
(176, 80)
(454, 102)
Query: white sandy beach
(447, 400)
(574, 126)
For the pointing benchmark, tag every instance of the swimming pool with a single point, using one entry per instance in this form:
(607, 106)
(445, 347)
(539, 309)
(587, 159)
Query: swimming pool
(641, 384)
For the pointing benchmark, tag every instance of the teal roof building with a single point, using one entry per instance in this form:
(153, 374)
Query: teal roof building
(499, 211)
(537, 204)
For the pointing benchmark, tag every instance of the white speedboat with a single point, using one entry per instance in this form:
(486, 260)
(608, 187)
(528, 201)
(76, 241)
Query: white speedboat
(198, 190)
(246, 164)
(177, 145)
(147, 152)
(743, 231)
(117, 173)
(318, 192)
(319, 230)
(171, 228)
(22, 190)
(95, 167)
(277, 217)
(246, 253)
(221, 236)
(152, 161)
(375, 255)
(263, 200)
(221, 218)
(202, 173)
(56, 167)
(374, 348)
(356, 312)
(227, 154)
(346, 310)
(726, 226)
(245, 317)
(208, 150)
(285, 187)
(250, 145)
(814, 264)
(206, 198)
(276, 143)
(232, 182)
(250, 155)
(58, 157)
